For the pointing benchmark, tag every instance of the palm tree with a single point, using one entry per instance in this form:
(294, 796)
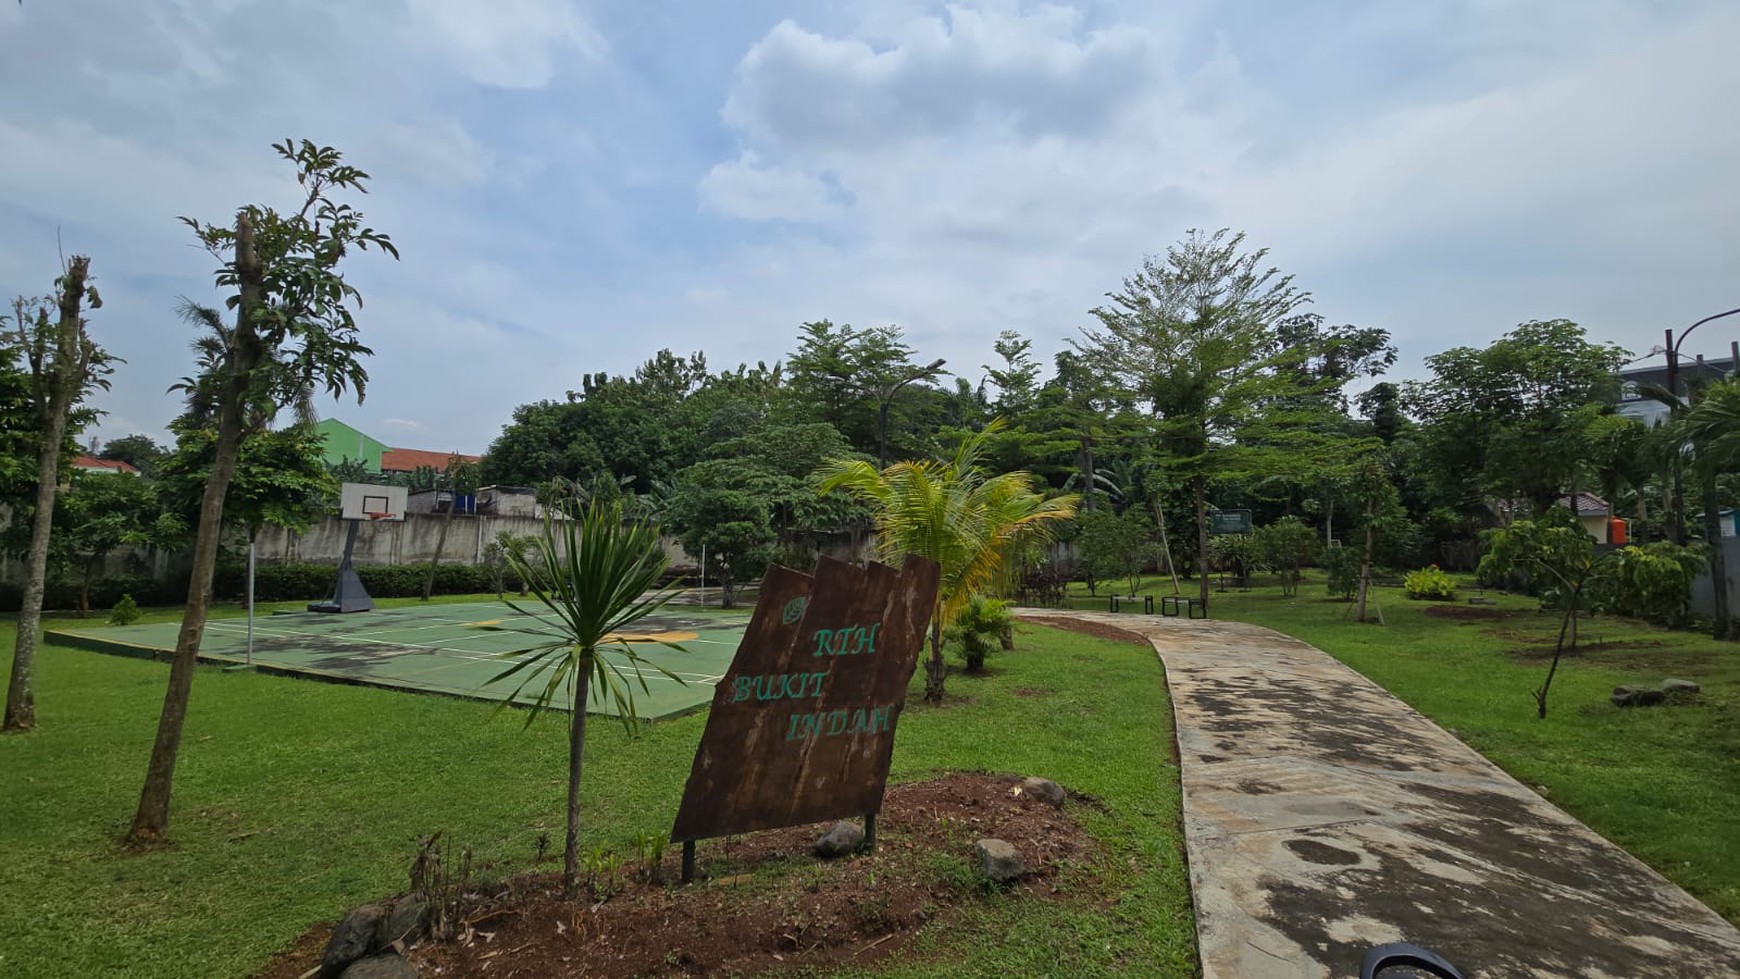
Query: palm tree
(973, 525)
(1712, 426)
(594, 575)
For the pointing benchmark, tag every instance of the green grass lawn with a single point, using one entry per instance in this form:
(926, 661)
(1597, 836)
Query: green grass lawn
(1663, 782)
(295, 800)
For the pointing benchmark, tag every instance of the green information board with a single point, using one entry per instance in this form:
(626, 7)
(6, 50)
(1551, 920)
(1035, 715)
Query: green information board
(1229, 522)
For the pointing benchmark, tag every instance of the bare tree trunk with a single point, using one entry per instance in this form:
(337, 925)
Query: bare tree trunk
(20, 699)
(59, 379)
(1165, 546)
(576, 759)
(1328, 520)
(151, 821)
(1201, 488)
(440, 543)
(1087, 473)
(935, 670)
(1718, 560)
(1365, 567)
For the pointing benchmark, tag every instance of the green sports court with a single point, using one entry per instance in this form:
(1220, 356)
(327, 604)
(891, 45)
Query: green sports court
(448, 648)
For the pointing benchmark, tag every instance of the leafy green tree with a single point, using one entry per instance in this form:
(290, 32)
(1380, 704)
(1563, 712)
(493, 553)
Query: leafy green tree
(1381, 404)
(139, 451)
(975, 526)
(594, 575)
(861, 381)
(1191, 335)
(1513, 419)
(280, 478)
(716, 512)
(103, 512)
(293, 317)
(65, 365)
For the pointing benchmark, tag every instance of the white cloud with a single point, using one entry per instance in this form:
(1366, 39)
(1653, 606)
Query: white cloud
(745, 188)
(508, 43)
(402, 423)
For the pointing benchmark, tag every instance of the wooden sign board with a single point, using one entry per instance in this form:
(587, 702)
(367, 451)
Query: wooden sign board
(802, 727)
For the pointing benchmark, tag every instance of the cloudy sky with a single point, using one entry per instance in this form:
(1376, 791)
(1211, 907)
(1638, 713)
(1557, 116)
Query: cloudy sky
(574, 185)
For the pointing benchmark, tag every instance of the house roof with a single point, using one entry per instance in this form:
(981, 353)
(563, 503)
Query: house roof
(408, 460)
(1588, 505)
(90, 463)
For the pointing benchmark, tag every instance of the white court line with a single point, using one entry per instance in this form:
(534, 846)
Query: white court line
(404, 649)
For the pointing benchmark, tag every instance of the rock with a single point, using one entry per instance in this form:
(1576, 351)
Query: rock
(352, 939)
(1043, 789)
(999, 860)
(842, 840)
(388, 966)
(1636, 696)
(405, 922)
(1682, 687)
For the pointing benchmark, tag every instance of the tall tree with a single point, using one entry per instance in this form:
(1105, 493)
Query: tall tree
(139, 451)
(99, 513)
(1513, 419)
(973, 525)
(65, 366)
(1192, 336)
(1017, 380)
(290, 297)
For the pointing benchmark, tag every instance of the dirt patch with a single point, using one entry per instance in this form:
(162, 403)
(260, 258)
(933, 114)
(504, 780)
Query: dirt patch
(765, 903)
(1031, 692)
(1099, 630)
(1465, 612)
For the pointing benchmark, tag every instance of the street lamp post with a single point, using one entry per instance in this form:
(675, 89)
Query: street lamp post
(1673, 385)
(1673, 350)
(886, 396)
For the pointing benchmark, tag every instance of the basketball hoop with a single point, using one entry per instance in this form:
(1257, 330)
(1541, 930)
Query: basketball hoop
(377, 515)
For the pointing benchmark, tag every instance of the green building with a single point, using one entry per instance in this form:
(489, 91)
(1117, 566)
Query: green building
(346, 443)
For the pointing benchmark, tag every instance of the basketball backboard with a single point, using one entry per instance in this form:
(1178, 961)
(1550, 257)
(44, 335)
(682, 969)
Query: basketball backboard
(357, 501)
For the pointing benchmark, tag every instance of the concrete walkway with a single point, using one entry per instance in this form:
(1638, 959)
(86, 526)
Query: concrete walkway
(1323, 816)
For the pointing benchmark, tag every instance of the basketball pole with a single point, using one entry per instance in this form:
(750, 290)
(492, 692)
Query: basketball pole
(250, 596)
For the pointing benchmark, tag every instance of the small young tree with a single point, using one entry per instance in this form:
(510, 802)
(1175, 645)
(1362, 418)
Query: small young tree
(65, 366)
(500, 554)
(1287, 545)
(1560, 555)
(1115, 545)
(293, 313)
(1373, 496)
(594, 575)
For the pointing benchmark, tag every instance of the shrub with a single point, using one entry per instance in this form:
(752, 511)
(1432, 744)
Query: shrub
(1652, 582)
(979, 630)
(1341, 564)
(125, 612)
(1429, 584)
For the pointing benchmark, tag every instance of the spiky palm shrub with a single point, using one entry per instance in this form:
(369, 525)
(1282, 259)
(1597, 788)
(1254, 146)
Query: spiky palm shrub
(593, 575)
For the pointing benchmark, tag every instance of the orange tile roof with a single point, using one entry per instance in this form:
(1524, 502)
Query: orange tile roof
(90, 463)
(407, 460)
